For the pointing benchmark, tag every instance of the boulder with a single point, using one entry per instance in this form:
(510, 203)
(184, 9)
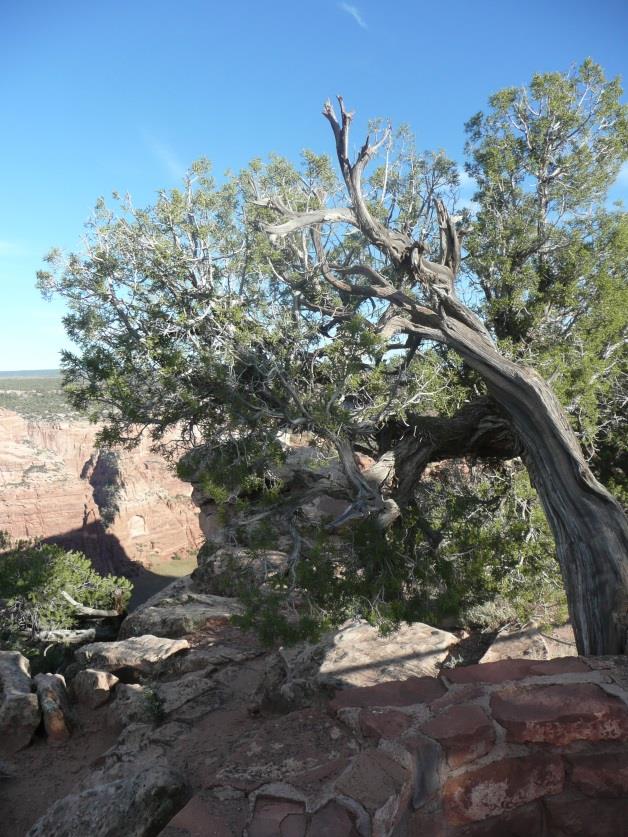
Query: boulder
(142, 654)
(526, 644)
(355, 656)
(19, 708)
(135, 806)
(93, 688)
(360, 656)
(55, 706)
(178, 610)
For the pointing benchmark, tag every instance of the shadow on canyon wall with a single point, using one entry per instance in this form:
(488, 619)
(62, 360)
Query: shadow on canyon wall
(107, 555)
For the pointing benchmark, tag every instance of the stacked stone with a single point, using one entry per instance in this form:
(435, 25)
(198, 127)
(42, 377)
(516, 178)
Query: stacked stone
(516, 747)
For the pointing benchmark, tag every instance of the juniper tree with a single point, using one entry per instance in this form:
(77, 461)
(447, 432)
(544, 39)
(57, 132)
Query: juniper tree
(290, 299)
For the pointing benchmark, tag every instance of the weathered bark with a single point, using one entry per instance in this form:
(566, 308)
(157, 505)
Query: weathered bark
(84, 610)
(589, 526)
(479, 430)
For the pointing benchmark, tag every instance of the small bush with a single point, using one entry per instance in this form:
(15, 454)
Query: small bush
(32, 578)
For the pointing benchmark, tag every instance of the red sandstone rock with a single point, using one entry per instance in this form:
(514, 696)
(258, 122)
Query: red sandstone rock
(332, 819)
(464, 693)
(273, 817)
(522, 822)
(393, 693)
(501, 786)
(387, 723)
(55, 706)
(559, 714)
(465, 732)
(515, 670)
(569, 817)
(600, 774)
(195, 820)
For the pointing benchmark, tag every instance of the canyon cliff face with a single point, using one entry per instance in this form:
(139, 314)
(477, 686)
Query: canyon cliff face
(114, 506)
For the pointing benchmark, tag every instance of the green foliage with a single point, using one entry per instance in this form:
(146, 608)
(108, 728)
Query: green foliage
(545, 254)
(476, 548)
(33, 576)
(188, 317)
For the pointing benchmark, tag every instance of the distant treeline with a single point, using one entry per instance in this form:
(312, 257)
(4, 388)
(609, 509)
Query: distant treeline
(35, 394)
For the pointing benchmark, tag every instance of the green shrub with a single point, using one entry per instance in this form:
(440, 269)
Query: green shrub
(475, 548)
(32, 578)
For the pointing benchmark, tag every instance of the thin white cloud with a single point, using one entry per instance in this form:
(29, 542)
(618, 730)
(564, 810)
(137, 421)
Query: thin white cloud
(354, 12)
(165, 155)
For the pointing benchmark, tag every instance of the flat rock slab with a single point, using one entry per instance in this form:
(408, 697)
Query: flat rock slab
(196, 820)
(19, 708)
(465, 732)
(274, 817)
(306, 749)
(376, 781)
(503, 670)
(360, 656)
(501, 786)
(134, 807)
(526, 644)
(187, 691)
(142, 653)
(560, 714)
(178, 610)
(403, 693)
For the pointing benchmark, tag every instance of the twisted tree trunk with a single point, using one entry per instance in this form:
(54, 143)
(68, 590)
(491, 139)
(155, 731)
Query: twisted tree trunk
(589, 526)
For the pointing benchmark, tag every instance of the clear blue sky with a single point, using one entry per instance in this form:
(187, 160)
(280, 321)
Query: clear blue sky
(124, 94)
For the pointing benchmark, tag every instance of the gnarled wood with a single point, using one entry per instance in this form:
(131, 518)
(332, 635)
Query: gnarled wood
(589, 526)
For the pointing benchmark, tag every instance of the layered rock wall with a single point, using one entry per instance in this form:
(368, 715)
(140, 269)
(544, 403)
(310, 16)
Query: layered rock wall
(55, 483)
(513, 748)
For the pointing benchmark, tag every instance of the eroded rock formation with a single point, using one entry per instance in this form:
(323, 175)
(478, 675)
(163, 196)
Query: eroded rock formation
(55, 485)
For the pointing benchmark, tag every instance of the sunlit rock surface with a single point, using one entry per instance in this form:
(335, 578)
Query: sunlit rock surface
(55, 484)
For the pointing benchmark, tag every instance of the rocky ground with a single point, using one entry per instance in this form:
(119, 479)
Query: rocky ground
(186, 726)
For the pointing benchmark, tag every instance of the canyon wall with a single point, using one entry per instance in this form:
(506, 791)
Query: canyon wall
(115, 506)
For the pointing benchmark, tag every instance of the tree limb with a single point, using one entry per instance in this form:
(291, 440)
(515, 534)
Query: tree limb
(84, 610)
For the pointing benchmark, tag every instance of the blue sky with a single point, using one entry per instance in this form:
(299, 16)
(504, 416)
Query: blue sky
(124, 94)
